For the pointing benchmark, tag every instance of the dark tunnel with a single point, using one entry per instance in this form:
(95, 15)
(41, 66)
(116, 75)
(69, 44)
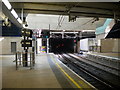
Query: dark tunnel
(59, 45)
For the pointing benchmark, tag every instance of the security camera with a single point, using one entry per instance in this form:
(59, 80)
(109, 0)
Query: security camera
(26, 25)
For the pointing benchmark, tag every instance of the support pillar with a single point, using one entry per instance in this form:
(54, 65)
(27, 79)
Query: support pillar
(47, 45)
(115, 19)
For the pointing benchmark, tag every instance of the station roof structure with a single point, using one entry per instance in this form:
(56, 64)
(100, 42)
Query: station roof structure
(81, 12)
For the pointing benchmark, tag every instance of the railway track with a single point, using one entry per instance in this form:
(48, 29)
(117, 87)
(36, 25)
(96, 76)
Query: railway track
(84, 70)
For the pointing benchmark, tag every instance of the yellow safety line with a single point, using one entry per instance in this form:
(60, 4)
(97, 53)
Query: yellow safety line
(82, 82)
(67, 75)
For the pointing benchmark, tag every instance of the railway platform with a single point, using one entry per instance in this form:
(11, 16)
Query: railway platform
(48, 72)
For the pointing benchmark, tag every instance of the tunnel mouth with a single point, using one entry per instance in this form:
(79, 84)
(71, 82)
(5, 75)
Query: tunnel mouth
(60, 46)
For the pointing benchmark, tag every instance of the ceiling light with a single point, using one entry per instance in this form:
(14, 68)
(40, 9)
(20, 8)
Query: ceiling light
(19, 20)
(7, 4)
(14, 13)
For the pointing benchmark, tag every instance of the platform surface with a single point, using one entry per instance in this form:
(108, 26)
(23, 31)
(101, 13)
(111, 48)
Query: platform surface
(48, 72)
(113, 55)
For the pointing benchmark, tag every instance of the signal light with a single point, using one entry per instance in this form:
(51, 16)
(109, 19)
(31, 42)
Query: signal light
(62, 45)
(74, 41)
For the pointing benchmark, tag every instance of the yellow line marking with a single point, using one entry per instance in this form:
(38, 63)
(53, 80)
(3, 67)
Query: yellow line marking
(77, 85)
(83, 84)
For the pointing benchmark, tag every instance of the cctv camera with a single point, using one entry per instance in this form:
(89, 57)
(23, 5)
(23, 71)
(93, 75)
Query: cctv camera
(26, 25)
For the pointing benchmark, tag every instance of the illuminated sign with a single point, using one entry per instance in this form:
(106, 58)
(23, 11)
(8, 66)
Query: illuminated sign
(27, 33)
(26, 43)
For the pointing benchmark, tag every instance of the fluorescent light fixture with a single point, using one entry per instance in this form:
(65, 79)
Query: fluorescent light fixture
(19, 20)
(7, 4)
(14, 13)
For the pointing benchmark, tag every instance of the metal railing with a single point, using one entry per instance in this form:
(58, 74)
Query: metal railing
(21, 60)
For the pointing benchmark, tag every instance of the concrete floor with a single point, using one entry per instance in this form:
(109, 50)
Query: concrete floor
(44, 75)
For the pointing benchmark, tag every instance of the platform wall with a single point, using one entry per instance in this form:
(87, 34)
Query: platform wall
(5, 44)
(110, 45)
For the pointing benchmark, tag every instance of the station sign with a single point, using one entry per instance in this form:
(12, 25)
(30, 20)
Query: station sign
(27, 33)
(26, 43)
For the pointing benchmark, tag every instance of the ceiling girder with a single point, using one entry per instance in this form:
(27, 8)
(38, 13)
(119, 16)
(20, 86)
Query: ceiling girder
(105, 10)
(84, 14)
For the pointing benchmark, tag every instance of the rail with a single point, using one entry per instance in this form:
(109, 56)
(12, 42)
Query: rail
(93, 75)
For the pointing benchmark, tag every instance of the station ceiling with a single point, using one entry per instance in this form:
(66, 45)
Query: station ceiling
(89, 10)
(86, 9)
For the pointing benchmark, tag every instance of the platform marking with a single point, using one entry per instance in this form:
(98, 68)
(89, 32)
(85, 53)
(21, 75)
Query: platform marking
(78, 76)
(77, 85)
(82, 82)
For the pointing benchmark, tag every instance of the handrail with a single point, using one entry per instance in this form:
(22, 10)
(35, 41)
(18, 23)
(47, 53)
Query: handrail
(20, 59)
